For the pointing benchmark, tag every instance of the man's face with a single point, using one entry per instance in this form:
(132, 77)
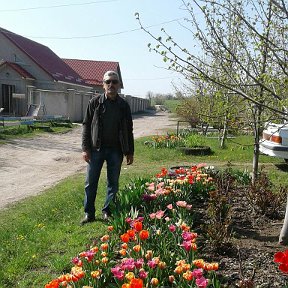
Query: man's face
(111, 86)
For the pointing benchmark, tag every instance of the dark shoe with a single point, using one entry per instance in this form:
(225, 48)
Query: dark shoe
(87, 219)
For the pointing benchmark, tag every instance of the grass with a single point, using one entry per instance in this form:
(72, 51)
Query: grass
(41, 234)
(23, 131)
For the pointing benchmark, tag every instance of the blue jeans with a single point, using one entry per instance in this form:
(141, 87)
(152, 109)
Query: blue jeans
(113, 158)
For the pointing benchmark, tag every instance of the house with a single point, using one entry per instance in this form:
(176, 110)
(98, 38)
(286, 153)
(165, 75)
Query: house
(31, 74)
(92, 71)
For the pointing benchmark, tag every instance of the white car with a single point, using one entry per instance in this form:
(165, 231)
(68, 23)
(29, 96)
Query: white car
(274, 140)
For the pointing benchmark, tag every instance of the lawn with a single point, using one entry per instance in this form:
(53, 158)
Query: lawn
(41, 234)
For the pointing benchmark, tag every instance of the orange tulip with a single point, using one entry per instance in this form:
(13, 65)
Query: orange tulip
(104, 246)
(149, 254)
(110, 228)
(144, 234)
(123, 252)
(138, 226)
(125, 237)
(96, 274)
(105, 238)
(188, 275)
(104, 254)
(136, 283)
(131, 233)
(199, 263)
(178, 270)
(124, 245)
(154, 282)
(137, 248)
(94, 249)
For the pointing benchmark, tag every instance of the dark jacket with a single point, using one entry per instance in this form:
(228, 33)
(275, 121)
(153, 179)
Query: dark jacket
(92, 125)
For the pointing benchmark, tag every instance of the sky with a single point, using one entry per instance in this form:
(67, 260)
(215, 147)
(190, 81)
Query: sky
(104, 30)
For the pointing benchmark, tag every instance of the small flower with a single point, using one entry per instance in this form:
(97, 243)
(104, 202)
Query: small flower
(149, 254)
(143, 274)
(152, 264)
(172, 228)
(170, 206)
(125, 237)
(199, 263)
(211, 266)
(139, 263)
(131, 233)
(124, 245)
(143, 234)
(202, 282)
(138, 226)
(197, 273)
(162, 265)
(188, 275)
(159, 214)
(136, 248)
(282, 258)
(136, 283)
(154, 281)
(123, 252)
(182, 204)
(129, 276)
(105, 238)
(96, 273)
(104, 254)
(118, 273)
(104, 246)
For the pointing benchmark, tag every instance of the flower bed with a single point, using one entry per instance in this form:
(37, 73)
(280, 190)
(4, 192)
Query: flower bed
(150, 242)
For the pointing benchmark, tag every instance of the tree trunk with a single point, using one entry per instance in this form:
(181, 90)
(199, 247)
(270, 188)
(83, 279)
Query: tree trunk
(224, 134)
(256, 151)
(283, 238)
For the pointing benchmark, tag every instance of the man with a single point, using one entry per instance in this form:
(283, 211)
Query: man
(107, 136)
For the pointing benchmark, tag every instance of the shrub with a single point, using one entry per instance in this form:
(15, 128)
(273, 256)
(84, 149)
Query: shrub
(193, 140)
(263, 199)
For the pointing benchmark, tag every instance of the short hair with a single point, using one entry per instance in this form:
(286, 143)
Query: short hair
(109, 74)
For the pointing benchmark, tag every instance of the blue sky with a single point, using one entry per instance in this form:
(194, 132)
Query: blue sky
(109, 31)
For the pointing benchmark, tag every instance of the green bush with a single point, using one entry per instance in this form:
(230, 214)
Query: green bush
(193, 140)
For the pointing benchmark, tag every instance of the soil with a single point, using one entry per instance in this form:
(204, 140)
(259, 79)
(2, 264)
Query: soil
(31, 165)
(248, 255)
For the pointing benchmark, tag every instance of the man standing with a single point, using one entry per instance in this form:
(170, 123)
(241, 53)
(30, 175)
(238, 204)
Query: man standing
(107, 136)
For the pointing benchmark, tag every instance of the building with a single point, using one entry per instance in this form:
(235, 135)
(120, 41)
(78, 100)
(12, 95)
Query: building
(32, 75)
(33, 78)
(92, 71)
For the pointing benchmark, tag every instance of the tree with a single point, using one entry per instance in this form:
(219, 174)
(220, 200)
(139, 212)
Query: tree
(255, 68)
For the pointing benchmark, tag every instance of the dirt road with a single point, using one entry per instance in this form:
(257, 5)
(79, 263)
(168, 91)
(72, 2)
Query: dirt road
(29, 166)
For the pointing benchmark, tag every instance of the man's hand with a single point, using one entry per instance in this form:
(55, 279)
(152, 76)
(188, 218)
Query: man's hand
(129, 159)
(86, 156)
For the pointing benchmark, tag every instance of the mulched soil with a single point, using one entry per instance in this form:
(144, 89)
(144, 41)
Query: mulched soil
(246, 259)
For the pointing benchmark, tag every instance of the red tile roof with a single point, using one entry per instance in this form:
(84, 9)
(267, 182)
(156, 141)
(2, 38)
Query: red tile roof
(93, 71)
(20, 70)
(45, 58)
